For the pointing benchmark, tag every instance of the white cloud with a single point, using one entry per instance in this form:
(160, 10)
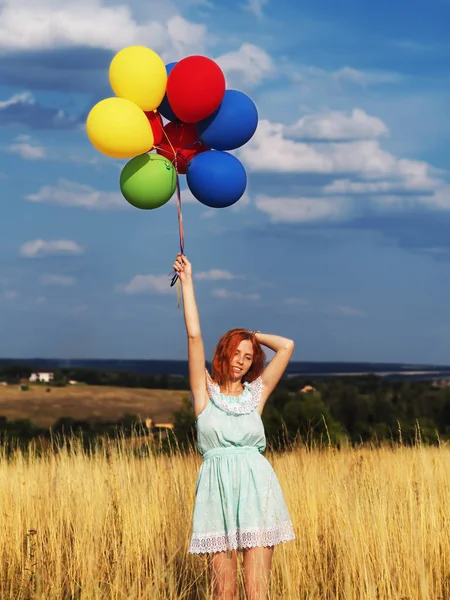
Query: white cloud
(32, 25)
(364, 157)
(440, 200)
(349, 311)
(241, 204)
(341, 208)
(24, 110)
(417, 179)
(28, 151)
(209, 214)
(226, 294)
(188, 198)
(8, 295)
(303, 210)
(247, 66)
(22, 98)
(347, 186)
(362, 170)
(270, 151)
(416, 184)
(348, 74)
(183, 35)
(38, 248)
(325, 82)
(146, 283)
(57, 280)
(298, 302)
(198, 3)
(255, 6)
(419, 175)
(216, 275)
(71, 193)
(375, 170)
(337, 125)
(365, 78)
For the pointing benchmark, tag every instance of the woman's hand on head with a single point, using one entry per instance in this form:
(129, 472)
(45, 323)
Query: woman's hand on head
(183, 267)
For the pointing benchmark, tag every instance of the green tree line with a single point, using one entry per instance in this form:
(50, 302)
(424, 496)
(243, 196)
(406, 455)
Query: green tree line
(336, 410)
(348, 410)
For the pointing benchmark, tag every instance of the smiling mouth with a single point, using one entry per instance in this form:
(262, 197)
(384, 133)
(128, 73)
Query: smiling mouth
(237, 369)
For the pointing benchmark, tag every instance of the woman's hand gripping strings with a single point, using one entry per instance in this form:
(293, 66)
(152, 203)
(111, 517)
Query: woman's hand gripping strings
(183, 268)
(182, 271)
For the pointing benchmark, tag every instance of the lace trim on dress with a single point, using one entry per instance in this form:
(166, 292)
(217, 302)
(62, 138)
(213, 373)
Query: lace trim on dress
(235, 405)
(203, 543)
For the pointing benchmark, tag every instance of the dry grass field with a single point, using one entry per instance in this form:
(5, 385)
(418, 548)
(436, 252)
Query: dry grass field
(371, 524)
(83, 402)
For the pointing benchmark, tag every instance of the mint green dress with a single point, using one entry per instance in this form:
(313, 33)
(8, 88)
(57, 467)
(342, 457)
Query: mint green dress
(238, 501)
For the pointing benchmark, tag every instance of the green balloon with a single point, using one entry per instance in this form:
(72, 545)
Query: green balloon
(148, 181)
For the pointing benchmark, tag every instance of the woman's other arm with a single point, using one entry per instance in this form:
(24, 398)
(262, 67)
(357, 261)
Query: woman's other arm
(283, 348)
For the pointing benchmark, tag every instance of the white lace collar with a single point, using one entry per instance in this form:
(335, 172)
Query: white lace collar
(243, 404)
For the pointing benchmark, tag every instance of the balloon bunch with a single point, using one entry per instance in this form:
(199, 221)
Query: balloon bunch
(204, 121)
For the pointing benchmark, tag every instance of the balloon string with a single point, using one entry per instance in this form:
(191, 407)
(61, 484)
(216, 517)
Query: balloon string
(180, 216)
(177, 287)
(170, 144)
(175, 276)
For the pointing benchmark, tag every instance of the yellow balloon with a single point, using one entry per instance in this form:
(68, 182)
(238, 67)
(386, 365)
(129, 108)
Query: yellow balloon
(139, 74)
(119, 128)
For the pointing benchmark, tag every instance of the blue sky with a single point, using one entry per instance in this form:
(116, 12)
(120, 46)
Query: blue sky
(342, 240)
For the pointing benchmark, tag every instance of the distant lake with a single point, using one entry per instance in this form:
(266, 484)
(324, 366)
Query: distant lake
(304, 369)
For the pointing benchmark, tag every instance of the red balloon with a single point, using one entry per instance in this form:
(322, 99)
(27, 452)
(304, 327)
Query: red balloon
(195, 88)
(157, 125)
(180, 142)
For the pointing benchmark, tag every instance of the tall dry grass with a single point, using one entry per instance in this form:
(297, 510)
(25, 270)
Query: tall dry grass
(370, 524)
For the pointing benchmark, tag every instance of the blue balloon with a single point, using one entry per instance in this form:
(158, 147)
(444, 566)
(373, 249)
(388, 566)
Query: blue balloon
(164, 108)
(232, 124)
(217, 179)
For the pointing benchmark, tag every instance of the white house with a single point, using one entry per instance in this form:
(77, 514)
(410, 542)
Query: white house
(41, 377)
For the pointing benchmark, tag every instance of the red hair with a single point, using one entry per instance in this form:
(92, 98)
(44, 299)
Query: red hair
(225, 351)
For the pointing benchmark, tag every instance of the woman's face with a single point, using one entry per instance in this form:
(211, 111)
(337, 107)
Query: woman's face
(242, 360)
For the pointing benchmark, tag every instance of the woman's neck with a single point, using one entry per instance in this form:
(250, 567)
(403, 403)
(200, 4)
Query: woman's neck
(233, 389)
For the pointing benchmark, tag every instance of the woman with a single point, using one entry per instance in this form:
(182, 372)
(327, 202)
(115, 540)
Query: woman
(239, 503)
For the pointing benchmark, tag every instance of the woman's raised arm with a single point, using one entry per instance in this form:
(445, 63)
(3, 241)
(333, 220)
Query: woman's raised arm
(196, 351)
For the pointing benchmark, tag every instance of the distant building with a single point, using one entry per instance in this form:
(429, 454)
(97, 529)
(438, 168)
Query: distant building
(149, 423)
(441, 383)
(43, 377)
(157, 427)
(308, 389)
